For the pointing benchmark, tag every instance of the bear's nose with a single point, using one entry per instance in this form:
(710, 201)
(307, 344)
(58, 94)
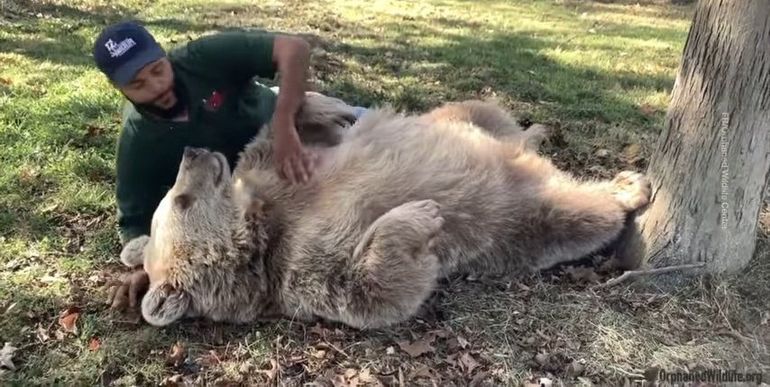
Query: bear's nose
(191, 153)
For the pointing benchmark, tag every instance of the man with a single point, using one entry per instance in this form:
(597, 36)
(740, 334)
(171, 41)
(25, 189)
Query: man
(201, 94)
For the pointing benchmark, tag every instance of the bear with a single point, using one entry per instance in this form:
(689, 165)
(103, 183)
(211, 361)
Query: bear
(401, 201)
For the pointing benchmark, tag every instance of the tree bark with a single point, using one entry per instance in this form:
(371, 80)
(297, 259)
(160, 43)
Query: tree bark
(710, 167)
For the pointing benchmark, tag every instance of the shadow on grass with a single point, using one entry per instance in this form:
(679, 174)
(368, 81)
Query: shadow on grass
(639, 32)
(647, 2)
(25, 224)
(512, 65)
(680, 10)
(51, 35)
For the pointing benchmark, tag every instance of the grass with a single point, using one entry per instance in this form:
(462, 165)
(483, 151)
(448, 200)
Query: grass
(598, 73)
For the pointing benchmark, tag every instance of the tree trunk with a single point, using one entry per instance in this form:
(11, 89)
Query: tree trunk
(710, 167)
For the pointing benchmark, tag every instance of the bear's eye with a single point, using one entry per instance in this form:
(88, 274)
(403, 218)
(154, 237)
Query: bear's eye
(183, 201)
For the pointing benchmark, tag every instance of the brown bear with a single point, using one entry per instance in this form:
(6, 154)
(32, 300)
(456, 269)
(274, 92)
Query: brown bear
(401, 201)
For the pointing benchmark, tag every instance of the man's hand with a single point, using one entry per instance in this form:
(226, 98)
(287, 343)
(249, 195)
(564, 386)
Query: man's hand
(292, 161)
(291, 55)
(128, 291)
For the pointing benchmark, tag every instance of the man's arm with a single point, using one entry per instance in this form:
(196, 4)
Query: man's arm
(245, 54)
(137, 186)
(240, 55)
(291, 56)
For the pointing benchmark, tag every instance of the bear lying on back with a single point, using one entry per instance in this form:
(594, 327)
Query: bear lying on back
(399, 202)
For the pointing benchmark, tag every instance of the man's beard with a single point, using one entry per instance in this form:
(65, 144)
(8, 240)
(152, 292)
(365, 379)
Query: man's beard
(174, 111)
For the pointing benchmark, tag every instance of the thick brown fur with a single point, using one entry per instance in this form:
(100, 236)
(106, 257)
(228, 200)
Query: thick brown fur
(399, 202)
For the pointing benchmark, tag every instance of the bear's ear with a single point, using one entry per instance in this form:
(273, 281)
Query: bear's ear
(183, 201)
(164, 304)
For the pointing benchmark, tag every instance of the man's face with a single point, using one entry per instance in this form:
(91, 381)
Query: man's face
(153, 85)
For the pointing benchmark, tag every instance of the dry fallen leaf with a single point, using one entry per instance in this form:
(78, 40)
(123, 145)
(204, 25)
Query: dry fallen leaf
(421, 372)
(598, 170)
(93, 130)
(209, 359)
(530, 341)
(272, 372)
(584, 381)
(68, 320)
(442, 333)
(319, 330)
(318, 353)
(602, 153)
(247, 367)
(365, 376)
(6, 356)
(349, 379)
(575, 369)
(478, 379)
(542, 335)
(176, 355)
(632, 154)
(456, 343)
(42, 334)
(583, 274)
(178, 380)
(431, 336)
(468, 363)
(416, 348)
(172, 380)
(59, 334)
(647, 109)
(341, 381)
(94, 344)
(28, 174)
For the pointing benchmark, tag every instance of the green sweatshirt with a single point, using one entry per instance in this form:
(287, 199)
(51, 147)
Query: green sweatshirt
(226, 109)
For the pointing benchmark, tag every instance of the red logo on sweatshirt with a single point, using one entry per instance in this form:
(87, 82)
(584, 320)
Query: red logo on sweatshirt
(214, 101)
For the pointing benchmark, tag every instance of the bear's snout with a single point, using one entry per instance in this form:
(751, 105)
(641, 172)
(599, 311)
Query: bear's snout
(191, 153)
